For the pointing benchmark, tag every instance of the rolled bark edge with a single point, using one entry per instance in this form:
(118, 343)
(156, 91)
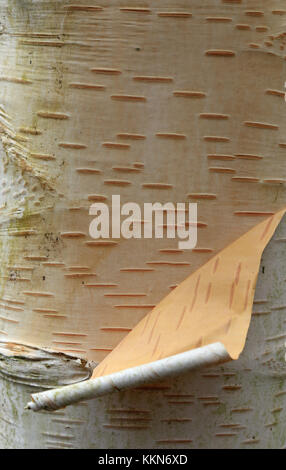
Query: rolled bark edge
(50, 400)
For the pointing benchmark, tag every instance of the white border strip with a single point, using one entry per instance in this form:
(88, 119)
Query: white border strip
(211, 354)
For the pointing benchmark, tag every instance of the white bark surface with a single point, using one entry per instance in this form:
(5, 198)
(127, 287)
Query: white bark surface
(67, 142)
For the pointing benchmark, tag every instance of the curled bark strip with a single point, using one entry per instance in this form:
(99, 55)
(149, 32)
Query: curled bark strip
(212, 354)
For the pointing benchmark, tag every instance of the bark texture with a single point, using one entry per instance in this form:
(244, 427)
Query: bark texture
(109, 99)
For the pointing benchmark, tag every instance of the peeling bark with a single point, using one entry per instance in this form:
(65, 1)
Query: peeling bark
(92, 99)
(41, 368)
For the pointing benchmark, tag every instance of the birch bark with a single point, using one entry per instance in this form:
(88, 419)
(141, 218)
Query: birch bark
(96, 99)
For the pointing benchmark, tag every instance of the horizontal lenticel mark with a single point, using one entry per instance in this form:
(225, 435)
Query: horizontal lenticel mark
(274, 181)
(131, 270)
(153, 79)
(86, 86)
(170, 135)
(216, 156)
(126, 169)
(253, 213)
(175, 14)
(261, 125)
(41, 156)
(135, 10)
(128, 135)
(275, 93)
(245, 179)
(189, 94)
(87, 171)
(38, 294)
(202, 196)
(101, 243)
(96, 197)
(50, 115)
(221, 170)
(243, 26)
(213, 138)
(213, 116)
(72, 234)
(254, 13)
(219, 19)
(116, 145)
(248, 156)
(220, 53)
(128, 98)
(157, 186)
(117, 182)
(70, 145)
(83, 7)
(278, 12)
(106, 71)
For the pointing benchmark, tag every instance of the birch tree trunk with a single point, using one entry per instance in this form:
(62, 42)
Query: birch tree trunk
(86, 105)
(242, 402)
